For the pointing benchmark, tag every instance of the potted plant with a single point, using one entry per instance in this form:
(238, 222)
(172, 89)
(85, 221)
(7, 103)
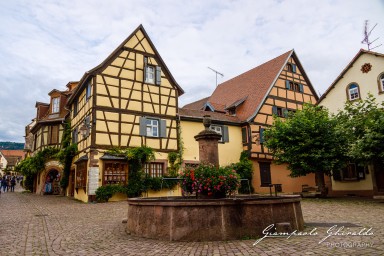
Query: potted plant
(209, 181)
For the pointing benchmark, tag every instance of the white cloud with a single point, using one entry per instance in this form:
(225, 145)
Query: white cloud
(47, 43)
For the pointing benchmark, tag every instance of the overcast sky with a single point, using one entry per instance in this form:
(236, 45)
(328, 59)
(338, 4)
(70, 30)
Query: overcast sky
(44, 43)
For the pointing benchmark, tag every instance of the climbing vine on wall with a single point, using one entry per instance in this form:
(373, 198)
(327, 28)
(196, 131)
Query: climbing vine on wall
(66, 154)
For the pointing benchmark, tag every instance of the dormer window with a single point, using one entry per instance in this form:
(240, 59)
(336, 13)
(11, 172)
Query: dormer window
(353, 92)
(232, 111)
(56, 105)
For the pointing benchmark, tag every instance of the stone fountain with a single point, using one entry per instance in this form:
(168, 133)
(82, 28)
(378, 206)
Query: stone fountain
(193, 219)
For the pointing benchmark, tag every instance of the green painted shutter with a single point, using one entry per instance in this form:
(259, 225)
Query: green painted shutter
(301, 89)
(158, 75)
(293, 68)
(285, 112)
(225, 134)
(163, 128)
(143, 126)
(274, 110)
(261, 135)
(287, 85)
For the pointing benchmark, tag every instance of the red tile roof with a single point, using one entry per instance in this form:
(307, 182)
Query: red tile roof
(8, 153)
(197, 104)
(199, 114)
(254, 83)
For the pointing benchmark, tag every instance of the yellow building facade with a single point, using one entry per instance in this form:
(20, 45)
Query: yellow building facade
(363, 75)
(129, 100)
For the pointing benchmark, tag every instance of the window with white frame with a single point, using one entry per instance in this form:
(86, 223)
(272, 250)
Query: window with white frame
(154, 169)
(218, 129)
(150, 74)
(152, 127)
(382, 83)
(353, 92)
(55, 105)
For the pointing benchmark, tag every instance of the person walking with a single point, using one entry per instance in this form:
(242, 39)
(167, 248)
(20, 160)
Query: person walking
(13, 183)
(4, 184)
(8, 183)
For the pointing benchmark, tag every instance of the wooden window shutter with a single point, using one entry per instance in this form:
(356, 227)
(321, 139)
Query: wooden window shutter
(285, 112)
(158, 75)
(163, 128)
(49, 140)
(143, 126)
(87, 122)
(244, 135)
(287, 85)
(293, 68)
(261, 135)
(55, 134)
(274, 110)
(301, 89)
(225, 135)
(145, 68)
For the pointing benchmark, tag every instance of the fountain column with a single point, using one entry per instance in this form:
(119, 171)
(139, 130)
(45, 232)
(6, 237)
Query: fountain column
(208, 143)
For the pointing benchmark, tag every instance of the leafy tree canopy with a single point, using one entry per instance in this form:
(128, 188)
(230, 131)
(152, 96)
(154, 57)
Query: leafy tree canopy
(309, 141)
(363, 123)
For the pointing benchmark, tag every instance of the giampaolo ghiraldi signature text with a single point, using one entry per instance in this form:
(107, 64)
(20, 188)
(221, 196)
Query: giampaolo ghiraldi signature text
(334, 231)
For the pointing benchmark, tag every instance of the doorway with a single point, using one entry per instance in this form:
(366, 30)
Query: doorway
(52, 183)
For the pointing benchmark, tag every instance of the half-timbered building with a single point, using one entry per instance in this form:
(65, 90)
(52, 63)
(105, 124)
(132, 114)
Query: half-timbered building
(253, 98)
(46, 130)
(129, 100)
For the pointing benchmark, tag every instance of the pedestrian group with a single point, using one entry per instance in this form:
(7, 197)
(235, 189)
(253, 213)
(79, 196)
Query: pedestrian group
(8, 182)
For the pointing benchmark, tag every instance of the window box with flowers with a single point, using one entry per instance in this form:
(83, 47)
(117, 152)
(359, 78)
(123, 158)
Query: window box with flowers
(209, 181)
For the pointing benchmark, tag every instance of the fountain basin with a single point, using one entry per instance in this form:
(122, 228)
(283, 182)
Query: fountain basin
(180, 219)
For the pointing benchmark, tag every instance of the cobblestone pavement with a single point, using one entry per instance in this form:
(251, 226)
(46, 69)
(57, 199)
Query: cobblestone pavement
(54, 225)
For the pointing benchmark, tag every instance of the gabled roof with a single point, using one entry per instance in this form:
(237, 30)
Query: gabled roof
(253, 84)
(199, 104)
(345, 70)
(112, 56)
(248, 91)
(194, 114)
(14, 153)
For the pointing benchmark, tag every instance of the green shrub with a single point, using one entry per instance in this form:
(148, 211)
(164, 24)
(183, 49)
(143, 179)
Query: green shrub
(104, 193)
(245, 169)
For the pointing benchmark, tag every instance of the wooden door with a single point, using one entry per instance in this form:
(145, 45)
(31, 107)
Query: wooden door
(265, 173)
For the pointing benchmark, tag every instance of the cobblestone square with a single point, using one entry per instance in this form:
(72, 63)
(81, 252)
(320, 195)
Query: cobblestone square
(54, 225)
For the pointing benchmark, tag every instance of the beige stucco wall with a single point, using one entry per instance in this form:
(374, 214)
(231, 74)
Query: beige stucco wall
(365, 184)
(280, 175)
(368, 83)
(228, 152)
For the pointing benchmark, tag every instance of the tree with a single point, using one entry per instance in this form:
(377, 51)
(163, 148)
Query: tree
(363, 122)
(309, 141)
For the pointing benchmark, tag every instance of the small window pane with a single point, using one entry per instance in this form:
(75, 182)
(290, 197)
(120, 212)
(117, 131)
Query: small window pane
(150, 74)
(55, 105)
(353, 92)
(152, 127)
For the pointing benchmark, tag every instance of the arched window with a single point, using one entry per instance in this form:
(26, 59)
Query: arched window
(353, 92)
(381, 82)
